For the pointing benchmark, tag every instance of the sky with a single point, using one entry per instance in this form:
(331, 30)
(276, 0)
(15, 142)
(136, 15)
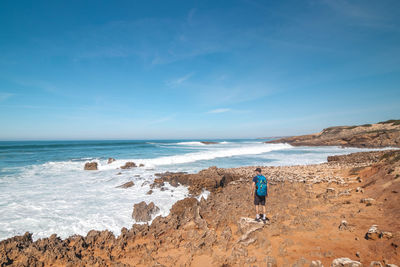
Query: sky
(195, 69)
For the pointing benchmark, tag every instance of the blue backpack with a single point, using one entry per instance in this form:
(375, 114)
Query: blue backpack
(261, 185)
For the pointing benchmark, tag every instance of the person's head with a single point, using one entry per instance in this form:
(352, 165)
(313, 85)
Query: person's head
(258, 171)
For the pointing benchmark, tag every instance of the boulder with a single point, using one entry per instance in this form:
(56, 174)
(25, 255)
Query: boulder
(90, 166)
(345, 262)
(141, 165)
(368, 201)
(129, 165)
(143, 212)
(373, 233)
(110, 160)
(126, 185)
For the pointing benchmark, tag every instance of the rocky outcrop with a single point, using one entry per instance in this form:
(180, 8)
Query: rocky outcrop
(209, 142)
(143, 212)
(129, 165)
(208, 179)
(383, 134)
(110, 160)
(360, 157)
(90, 166)
(126, 185)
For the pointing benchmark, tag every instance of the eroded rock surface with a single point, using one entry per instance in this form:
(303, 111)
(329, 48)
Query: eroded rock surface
(383, 134)
(143, 212)
(129, 165)
(90, 166)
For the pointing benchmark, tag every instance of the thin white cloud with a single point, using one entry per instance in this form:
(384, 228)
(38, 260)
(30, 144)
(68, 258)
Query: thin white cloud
(180, 80)
(5, 96)
(219, 110)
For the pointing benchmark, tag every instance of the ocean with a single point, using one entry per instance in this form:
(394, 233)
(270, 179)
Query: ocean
(44, 188)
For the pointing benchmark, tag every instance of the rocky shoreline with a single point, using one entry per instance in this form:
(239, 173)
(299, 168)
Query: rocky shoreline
(341, 213)
(381, 134)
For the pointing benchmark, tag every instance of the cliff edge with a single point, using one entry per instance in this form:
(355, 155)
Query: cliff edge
(382, 134)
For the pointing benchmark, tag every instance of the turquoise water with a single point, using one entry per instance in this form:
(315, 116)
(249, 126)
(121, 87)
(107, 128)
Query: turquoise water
(44, 189)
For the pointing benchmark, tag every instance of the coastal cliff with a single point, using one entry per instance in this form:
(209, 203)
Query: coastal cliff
(317, 216)
(382, 134)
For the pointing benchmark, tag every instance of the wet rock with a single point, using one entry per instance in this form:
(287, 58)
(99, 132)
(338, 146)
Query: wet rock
(143, 212)
(149, 192)
(90, 166)
(110, 160)
(128, 165)
(209, 142)
(126, 185)
(345, 262)
(141, 165)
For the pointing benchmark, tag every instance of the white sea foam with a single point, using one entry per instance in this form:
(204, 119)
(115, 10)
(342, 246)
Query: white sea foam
(210, 154)
(195, 143)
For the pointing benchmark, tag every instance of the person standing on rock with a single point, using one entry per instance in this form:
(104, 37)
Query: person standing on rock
(260, 192)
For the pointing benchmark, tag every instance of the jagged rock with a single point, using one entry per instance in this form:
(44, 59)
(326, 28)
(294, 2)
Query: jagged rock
(375, 264)
(343, 225)
(345, 262)
(143, 212)
(359, 189)
(373, 233)
(110, 160)
(386, 235)
(90, 166)
(126, 185)
(128, 165)
(316, 263)
(245, 224)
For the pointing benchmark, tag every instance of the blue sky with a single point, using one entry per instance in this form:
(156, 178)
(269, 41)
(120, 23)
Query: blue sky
(195, 69)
